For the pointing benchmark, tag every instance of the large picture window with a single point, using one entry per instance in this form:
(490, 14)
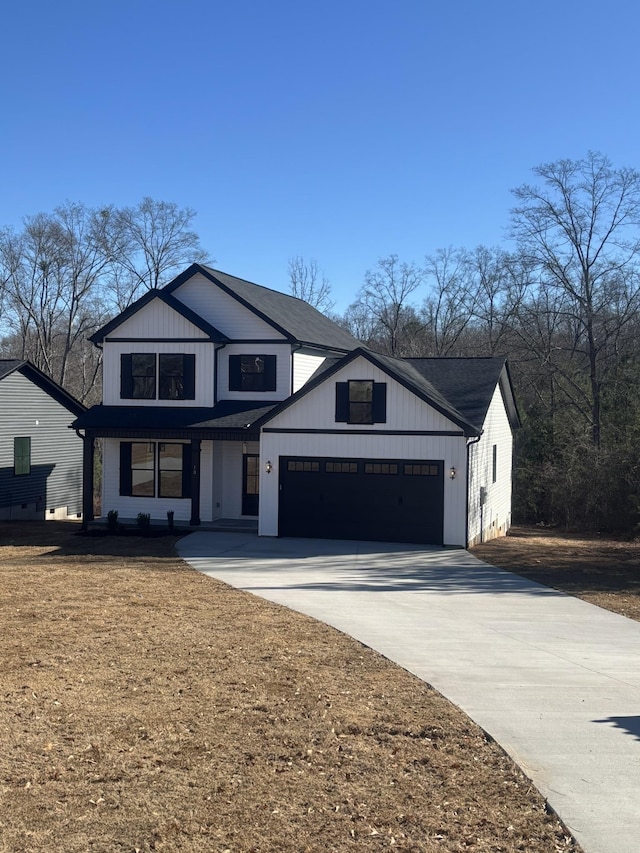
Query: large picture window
(162, 376)
(252, 373)
(21, 456)
(150, 469)
(361, 401)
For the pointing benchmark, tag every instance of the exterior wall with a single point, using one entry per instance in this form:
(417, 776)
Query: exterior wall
(157, 320)
(283, 371)
(53, 489)
(129, 507)
(220, 484)
(304, 366)
(205, 357)
(490, 516)
(405, 411)
(451, 449)
(223, 311)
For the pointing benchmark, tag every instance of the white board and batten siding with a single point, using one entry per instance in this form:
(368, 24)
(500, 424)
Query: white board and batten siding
(405, 412)
(283, 370)
(489, 501)
(223, 311)
(156, 319)
(205, 359)
(220, 484)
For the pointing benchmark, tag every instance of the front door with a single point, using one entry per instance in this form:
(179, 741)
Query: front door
(250, 483)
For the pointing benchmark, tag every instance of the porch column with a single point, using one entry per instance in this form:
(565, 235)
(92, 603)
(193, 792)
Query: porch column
(87, 479)
(195, 482)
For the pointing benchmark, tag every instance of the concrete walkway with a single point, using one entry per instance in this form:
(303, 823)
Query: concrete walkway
(554, 680)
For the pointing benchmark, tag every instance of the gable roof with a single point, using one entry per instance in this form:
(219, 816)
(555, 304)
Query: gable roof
(166, 297)
(294, 318)
(461, 389)
(471, 382)
(45, 383)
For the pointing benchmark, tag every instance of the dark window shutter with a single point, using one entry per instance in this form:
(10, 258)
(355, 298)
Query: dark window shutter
(186, 470)
(125, 467)
(379, 402)
(235, 373)
(269, 373)
(342, 402)
(189, 376)
(126, 377)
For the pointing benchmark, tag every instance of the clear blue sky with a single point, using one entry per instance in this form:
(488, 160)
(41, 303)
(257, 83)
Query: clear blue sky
(340, 131)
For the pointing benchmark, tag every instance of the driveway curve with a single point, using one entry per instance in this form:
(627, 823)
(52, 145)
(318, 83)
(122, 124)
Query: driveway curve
(554, 680)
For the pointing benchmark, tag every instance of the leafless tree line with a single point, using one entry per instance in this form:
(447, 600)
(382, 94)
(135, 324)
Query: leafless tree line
(66, 273)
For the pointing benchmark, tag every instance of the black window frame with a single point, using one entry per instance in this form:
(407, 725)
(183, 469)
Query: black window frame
(130, 372)
(494, 464)
(247, 380)
(126, 470)
(350, 410)
(21, 458)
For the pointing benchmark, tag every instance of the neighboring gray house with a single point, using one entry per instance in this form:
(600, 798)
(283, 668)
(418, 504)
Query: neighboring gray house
(40, 456)
(223, 399)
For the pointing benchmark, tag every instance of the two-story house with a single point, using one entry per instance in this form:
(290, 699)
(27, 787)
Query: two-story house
(225, 400)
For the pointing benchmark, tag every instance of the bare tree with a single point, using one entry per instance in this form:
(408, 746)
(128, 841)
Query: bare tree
(385, 296)
(308, 282)
(578, 229)
(448, 308)
(153, 241)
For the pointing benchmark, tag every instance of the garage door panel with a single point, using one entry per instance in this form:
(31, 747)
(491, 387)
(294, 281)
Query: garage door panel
(382, 500)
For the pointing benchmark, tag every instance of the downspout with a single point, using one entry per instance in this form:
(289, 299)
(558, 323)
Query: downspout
(470, 441)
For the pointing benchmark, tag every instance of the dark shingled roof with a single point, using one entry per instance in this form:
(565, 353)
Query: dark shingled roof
(460, 388)
(292, 317)
(226, 415)
(469, 382)
(44, 382)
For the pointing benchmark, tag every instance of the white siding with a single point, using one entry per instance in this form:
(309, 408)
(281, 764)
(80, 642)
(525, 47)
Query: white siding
(304, 366)
(129, 507)
(492, 517)
(226, 486)
(404, 410)
(450, 449)
(205, 357)
(223, 311)
(283, 371)
(157, 320)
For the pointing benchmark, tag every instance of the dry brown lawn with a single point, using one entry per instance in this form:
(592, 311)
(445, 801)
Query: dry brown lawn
(602, 571)
(146, 707)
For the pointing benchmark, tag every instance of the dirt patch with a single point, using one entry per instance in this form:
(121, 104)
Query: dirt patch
(602, 571)
(145, 707)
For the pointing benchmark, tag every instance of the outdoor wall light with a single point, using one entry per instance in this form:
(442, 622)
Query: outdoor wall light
(268, 467)
(452, 473)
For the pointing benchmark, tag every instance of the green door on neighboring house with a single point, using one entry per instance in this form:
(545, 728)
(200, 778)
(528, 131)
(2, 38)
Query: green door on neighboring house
(250, 483)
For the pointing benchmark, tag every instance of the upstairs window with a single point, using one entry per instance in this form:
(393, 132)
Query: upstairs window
(361, 401)
(21, 456)
(163, 376)
(252, 373)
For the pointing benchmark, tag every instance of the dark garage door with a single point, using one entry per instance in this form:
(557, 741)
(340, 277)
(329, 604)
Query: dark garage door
(386, 500)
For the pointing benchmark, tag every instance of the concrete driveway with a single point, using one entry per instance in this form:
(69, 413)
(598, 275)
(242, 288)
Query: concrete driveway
(554, 680)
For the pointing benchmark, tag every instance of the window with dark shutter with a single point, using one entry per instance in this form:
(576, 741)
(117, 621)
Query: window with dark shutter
(151, 469)
(252, 373)
(361, 401)
(176, 376)
(138, 376)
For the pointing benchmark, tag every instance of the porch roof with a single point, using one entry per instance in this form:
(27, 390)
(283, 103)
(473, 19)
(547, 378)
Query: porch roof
(224, 416)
